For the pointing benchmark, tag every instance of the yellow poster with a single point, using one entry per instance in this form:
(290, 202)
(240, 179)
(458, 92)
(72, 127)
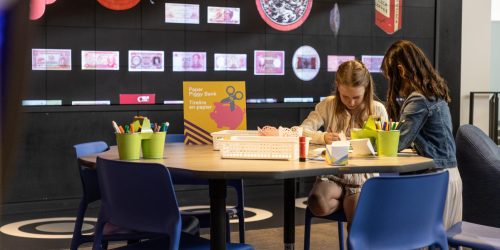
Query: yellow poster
(211, 106)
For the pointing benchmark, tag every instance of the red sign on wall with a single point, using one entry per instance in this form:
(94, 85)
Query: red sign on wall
(389, 15)
(284, 15)
(137, 98)
(118, 4)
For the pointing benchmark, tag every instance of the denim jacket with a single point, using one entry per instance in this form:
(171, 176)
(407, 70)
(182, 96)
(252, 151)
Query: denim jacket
(427, 123)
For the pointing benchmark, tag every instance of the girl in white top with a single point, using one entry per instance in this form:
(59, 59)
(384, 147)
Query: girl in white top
(351, 106)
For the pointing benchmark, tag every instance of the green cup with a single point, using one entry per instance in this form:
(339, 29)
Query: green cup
(357, 133)
(129, 146)
(387, 143)
(153, 145)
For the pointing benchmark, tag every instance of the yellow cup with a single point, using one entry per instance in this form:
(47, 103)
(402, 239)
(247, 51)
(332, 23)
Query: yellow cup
(387, 143)
(129, 146)
(153, 145)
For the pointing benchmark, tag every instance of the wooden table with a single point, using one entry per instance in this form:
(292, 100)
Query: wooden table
(203, 162)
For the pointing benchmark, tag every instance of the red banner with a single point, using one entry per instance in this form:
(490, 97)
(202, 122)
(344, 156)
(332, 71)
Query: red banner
(389, 15)
(137, 98)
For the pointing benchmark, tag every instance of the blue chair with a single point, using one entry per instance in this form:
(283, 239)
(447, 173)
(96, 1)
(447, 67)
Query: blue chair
(141, 197)
(90, 188)
(478, 160)
(338, 216)
(204, 215)
(91, 193)
(403, 212)
(475, 236)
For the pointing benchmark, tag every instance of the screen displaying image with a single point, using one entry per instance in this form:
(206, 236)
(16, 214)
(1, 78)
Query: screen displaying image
(182, 13)
(101, 54)
(144, 60)
(268, 62)
(334, 61)
(223, 15)
(100, 60)
(189, 61)
(51, 59)
(372, 63)
(230, 62)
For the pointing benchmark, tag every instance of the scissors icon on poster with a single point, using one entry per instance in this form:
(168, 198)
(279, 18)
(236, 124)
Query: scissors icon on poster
(232, 96)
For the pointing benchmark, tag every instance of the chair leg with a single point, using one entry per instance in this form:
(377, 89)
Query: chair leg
(241, 224)
(307, 229)
(340, 227)
(228, 229)
(77, 231)
(99, 243)
(443, 242)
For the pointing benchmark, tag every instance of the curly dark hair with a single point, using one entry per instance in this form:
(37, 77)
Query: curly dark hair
(418, 73)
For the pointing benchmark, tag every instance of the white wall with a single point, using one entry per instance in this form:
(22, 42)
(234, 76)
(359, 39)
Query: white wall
(495, 10)
(495, 45)
(495, 55)
(476, 59)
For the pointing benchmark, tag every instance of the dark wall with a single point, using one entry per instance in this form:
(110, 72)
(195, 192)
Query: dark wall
(449, 50)
(12, 44)
(86, 25)
(47, 169)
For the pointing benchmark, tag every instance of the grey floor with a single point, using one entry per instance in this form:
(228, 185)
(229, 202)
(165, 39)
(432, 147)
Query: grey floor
(52, 228)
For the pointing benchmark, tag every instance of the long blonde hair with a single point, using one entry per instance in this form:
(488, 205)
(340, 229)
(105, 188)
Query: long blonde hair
(353, 74)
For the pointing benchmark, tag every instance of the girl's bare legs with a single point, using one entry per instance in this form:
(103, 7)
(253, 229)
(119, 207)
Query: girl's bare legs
(324, 198)
(350, 201)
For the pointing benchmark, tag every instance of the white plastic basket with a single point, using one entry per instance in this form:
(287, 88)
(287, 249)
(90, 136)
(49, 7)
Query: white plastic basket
(260, 147)
(227, 134)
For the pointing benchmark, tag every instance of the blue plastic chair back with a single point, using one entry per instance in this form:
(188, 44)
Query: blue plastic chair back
(138, 197)
(89, 148)
(478, 158)
(404, 212)
(174, 138)
(185, 179)
(90, 187)
(89, 176)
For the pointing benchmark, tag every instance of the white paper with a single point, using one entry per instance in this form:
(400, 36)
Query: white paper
(362, 147)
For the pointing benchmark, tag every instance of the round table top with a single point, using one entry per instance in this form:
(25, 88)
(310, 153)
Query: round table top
(204, 162)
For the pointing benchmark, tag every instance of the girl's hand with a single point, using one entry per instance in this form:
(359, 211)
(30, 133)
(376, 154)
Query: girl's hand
(329, 137)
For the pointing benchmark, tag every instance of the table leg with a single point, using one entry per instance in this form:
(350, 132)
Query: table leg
(289, 219)
(217, 190)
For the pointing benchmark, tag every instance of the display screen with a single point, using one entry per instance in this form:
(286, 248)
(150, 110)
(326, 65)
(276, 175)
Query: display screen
(81, 51)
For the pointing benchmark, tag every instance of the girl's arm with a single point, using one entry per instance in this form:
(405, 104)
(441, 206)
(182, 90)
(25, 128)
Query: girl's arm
(314, 121)
(414, 114)
(381, 112)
